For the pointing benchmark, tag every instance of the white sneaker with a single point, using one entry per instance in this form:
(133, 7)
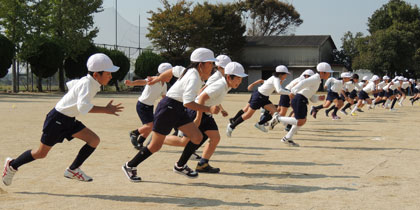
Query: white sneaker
(400, 103)
(289, 142)
(274, 121)
(8, 172)
(229, 131)
(261, 127)
(77, 174)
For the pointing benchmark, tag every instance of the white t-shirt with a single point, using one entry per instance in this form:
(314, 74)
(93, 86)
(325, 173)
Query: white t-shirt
(405, 85)
(336, 85)
(78, 99)
(186, 89)
(381, 85)
(271, 84)
(214, 77)
(152, 92)
(308, 87)
(294, 82)
(216, 92)
(369, 87)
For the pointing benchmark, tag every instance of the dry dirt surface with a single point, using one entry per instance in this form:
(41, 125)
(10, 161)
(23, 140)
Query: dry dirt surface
(370, 161)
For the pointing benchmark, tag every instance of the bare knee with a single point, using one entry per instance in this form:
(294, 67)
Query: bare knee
(39, 154)
(94, 141)
(196, 137)
(215, 140)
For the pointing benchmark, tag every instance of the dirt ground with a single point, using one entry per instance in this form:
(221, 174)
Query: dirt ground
(370, 161)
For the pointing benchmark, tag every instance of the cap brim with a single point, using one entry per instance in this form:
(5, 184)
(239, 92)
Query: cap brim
(112, 69)
(211, 60)
(241, 75)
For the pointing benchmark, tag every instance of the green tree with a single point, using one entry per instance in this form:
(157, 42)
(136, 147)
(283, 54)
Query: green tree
(119, 59)
(147, 64)
(7, 51)
(270, 17)
(71, 23)
(13, 16)
(76, 67)
(170, 30)
(219, 28)
(46, 59)
(348, 50)
(391, 48)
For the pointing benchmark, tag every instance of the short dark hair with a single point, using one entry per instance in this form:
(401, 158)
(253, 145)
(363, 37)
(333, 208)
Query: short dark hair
(91, 73)
(277, 74)
(355, 76)
(231, 76)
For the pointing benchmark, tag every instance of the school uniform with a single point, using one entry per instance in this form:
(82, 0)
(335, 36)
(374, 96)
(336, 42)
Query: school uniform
(170, 112)
(404, 87)
(303, 91)
(216, 92)
(364, 93)
(285, 99)
(214, 77)
(61, 122)
(351, 89)
(335, 89)
(147, 99)
(381, 86)
(260, 97)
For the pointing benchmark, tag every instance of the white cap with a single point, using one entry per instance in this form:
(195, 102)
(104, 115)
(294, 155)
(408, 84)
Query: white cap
(411, 80)
(365, 78)
(223, 60)
(235, 68)
(202, 55)
(324, 67)
(405, 79)
(282, 69)
(374, 78)
(385, 77)
(163, 67)
(100, 62)
(401, 78)
(308, 72)
(345, 75)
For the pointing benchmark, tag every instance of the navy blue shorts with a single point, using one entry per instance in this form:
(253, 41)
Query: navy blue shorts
(333, 95)
(284, 101)
(353, 94)
(207, 121)
(300, 106)
(405, 91)
(382, 93)
(415, 90)
(145, 112)
(58, 126)
(169, 114)
(363, 95)
(258, 100)
(389, 93)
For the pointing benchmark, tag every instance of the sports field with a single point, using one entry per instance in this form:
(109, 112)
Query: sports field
(370, 161)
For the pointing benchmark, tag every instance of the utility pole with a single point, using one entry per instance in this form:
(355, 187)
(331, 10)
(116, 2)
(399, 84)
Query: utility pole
(116, 26)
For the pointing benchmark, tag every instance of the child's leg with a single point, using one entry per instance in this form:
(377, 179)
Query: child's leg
(30, 155)
(92, 140)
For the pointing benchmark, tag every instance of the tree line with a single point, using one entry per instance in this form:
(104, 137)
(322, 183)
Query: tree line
(57, 35)
(393, 45)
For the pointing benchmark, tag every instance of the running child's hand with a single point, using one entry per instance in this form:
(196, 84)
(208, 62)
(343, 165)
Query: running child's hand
(214, 109)
(127, 82)
(113, 109)
(224, 113)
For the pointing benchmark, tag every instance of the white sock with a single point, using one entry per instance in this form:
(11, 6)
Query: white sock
(354, 109)
(292, 131)
(387, 103)
(287, 120)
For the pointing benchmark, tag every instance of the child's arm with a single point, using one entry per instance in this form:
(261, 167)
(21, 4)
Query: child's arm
(108, 109)
(251, 86)
(165, 76)
(140, 82)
